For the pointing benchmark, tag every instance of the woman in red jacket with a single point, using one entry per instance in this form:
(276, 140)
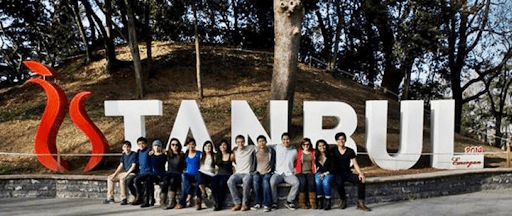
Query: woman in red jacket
(305, 171)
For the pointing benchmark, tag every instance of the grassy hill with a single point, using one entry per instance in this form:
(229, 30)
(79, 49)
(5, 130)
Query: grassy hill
(227, 74)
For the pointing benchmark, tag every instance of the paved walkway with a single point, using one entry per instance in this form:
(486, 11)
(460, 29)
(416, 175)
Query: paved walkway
(492, 202)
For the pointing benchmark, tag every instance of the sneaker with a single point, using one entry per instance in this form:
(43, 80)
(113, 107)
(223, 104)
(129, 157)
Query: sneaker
(256, 207)
(289, 205)
(124, 202)
(274, 206)
(108, 201)
(266, 209)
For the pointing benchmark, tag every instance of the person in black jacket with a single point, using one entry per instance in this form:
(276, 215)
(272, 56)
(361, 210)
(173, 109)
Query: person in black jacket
(157, 172)
(224, 171)
(172, 178)
(323, 176)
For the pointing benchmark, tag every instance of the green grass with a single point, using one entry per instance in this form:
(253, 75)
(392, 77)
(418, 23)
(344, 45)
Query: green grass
(8, 169)
(21, 113)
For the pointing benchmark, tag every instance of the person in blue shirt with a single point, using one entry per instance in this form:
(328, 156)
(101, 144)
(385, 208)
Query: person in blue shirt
(124, 173)
(192, 162)
(156, 175)
(144, 169)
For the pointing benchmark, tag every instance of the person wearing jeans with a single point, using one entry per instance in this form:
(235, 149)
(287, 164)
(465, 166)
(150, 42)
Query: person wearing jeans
(285, 158)
(192, 162)
(323, 176)
(265, 165)
(244, 159)
(305, 172)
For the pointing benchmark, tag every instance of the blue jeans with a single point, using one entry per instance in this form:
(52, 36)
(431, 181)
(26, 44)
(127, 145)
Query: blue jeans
(323, 186)
(262, 194)
(186, 179)
(246, 180)
(291, 179)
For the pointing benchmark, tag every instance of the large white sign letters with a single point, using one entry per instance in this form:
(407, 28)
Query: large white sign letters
(134, 112)
(245, 122)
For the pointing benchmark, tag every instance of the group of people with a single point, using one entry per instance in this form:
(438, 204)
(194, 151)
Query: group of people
(260, 168)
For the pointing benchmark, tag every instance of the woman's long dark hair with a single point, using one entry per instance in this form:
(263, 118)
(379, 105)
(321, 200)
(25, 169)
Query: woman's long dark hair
(228, 149)
(317, 152)
(203, 154)
(170, 153)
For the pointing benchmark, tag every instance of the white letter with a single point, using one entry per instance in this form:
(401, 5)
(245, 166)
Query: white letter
(133, 112)
(347, 121)
(411, 134)
(189, 117)
(244, 122)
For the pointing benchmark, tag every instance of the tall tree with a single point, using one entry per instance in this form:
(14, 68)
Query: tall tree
(73, 6)
(134, 49)
(148, 36)
(198, 53)
(288, 17)
(110, 49)
(465, 31)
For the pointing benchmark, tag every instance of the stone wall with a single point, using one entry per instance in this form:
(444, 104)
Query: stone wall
(378, 189)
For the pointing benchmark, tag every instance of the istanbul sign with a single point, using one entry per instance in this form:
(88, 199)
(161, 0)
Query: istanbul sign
(245, 122)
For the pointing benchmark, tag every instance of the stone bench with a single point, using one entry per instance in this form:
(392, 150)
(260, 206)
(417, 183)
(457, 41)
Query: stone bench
(378, 189)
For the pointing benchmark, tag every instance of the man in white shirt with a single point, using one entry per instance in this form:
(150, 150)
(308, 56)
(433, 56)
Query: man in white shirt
(285, 158)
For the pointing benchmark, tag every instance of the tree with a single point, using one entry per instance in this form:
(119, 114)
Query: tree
(73, 6)
(198, 53)
(134, 49)
(110, 50)
(287, 24)
(498, 95)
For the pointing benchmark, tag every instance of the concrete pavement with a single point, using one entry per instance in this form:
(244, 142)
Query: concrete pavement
(490, 202)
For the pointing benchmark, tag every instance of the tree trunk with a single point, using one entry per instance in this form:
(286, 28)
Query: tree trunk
(198, 56)
(134, 48)
(326, 34)
(376, 13)
(236, 36)
(339, 27)
(149, 58)
(288, 17)
(73, 5)
(92, 26)
(109, 43)
(406, 69)
(108, 18)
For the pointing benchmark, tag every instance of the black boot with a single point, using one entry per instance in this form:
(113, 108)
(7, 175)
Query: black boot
(152, 199)
(146, 202)
(320, 203)
(327, 204)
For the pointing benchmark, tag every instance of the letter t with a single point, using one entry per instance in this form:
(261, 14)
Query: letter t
(133, 112)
